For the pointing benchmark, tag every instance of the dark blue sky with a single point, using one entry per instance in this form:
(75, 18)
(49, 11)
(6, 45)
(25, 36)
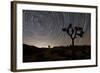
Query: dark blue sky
(43, 28)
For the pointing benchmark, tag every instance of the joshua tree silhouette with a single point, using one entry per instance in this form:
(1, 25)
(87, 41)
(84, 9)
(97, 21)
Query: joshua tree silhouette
(73, 32)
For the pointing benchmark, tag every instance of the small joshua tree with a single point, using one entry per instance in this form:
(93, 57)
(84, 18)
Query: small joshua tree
(73, 32)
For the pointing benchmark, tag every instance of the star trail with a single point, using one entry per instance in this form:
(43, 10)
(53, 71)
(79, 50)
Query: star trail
(43, 28)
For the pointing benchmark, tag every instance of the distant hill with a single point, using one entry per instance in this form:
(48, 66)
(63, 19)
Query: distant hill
(28, 49)
(29, 46)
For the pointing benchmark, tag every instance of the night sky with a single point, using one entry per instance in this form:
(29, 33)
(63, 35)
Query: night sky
(43, 28)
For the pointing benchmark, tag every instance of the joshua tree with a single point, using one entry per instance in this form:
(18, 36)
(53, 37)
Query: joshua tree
(49, 46)
(73, 32)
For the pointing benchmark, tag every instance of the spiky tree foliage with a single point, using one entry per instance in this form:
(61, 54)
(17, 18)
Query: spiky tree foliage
(74, 32)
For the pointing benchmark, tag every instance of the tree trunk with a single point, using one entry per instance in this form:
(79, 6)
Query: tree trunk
(72, 42)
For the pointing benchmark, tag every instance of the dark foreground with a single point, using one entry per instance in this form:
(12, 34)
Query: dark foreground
(35, 54)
